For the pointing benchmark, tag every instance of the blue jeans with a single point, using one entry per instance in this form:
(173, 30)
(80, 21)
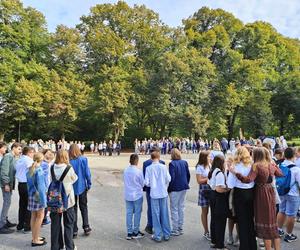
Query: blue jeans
(160, 218)
(6, 205)
(289, 205)
(177, 200)
(133, 208)
(149, 211)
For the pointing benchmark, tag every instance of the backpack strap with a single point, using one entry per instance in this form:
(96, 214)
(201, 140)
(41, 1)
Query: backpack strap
(64, 173)
(52, 173)
(291, 166)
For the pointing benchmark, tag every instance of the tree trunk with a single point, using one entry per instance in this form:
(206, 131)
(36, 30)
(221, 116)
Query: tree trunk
(231, 122)
(2, 136)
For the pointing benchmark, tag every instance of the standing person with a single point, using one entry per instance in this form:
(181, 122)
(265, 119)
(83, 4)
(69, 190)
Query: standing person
(45, 165)
(36, 199)
(157, 178)
(104, 148)
(202, 170)
(224, 145)
(133, 192)
(22, 167)
(219, 202)
(119, 147)
(3, 149)
(92, 147)
(289, 205)
(178, 186)
(7, 177)
(146, 189)
(63, 171)
(262, 172)
(297, 161)
(81, 188)
(243, 198)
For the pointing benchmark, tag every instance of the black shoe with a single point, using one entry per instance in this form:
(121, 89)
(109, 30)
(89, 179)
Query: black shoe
(38, 244)
(139, 235)
(5, 230)
(27, 231)
(87, 231)
(75, 234)
(149, 230)
(9, 224)
(129, 237)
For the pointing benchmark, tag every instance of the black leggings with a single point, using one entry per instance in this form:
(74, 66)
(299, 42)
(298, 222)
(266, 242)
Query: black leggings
(244, 209)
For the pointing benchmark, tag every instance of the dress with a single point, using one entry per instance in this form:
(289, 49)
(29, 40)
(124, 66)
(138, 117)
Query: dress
(264, 199)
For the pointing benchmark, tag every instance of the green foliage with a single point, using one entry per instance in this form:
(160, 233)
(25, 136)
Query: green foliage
(123, 73)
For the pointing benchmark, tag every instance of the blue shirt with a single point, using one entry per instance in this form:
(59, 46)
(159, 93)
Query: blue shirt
(180, 176)
(133, 183)
(145, 165)
(22, 166)
(36, 186)
(157, 178)
(82, 170)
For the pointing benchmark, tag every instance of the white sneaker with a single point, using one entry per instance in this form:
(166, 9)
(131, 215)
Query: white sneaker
(230, 240)
(207, 236)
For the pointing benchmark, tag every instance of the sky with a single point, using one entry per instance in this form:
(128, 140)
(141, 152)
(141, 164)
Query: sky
(284, 15)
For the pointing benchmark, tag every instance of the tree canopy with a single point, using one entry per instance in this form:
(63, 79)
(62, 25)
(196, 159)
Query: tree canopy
(122, 73)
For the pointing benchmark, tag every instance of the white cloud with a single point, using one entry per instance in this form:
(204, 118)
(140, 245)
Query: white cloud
(283, 15)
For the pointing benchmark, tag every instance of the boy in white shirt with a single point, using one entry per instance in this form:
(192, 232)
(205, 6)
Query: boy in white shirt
(157, 178)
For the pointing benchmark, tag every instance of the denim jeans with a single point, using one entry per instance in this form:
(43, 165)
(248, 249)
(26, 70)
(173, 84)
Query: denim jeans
(177, 200)
(160, 218)
(133, 209)
(149, 211)
(6, 205)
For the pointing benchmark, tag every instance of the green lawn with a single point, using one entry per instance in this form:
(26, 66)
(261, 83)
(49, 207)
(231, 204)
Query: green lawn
(295, 140)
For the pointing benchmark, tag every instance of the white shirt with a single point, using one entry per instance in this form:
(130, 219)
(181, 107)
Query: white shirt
(22, 166)
(297, 162)
(202, 171)
(157, 178)
(214, 153)
(218, 180)
(235, 182)
(295, 179)
(133, 183)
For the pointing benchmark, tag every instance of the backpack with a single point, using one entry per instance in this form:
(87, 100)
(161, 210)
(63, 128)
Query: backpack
(283, 183)
(57, 199)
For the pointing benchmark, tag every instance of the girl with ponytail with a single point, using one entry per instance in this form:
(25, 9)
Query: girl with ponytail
(36, 198)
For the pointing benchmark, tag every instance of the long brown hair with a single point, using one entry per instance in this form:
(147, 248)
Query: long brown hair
(203, 159)
(218, 162)
(259, 157)
(74, 151)
(62, 156)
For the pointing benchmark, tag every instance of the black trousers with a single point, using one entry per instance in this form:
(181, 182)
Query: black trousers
(57, 236)
(244, 209)
(219, 213)
(82, 200)
(24, 214)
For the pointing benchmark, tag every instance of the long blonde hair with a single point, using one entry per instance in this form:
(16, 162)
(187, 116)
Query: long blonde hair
(37, 159)
(242, 155)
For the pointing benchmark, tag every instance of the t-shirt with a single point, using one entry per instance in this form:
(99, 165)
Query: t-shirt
(297, 162)
(295, 179)
(217, 180)
(235, 182)
(202, 171)
(214, 153)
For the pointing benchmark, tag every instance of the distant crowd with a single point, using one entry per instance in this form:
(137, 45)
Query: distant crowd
(192, 146)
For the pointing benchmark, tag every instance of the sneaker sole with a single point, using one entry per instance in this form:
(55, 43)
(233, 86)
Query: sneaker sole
(290, 241)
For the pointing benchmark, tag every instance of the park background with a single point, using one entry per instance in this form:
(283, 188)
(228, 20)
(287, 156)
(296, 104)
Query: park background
(122, 73)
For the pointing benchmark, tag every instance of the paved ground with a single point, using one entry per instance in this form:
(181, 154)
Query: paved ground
(107, 214)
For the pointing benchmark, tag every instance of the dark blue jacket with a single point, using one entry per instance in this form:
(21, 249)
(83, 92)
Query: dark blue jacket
(180, 176)
(82, 170)
(145, 165)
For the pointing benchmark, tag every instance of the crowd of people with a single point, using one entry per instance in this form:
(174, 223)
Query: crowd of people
(255, 188)
(51, 185)
(193, 146)
(102, 148)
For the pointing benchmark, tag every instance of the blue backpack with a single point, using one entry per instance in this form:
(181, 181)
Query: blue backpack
(57, 199)
(283, 183)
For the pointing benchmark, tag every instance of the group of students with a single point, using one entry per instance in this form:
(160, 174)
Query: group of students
(158, 182)
(239, 188)
(48, 183)
(245, 188)
(103, 148)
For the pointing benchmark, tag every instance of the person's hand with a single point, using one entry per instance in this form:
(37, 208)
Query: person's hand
(231, 169)
(7, 188)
